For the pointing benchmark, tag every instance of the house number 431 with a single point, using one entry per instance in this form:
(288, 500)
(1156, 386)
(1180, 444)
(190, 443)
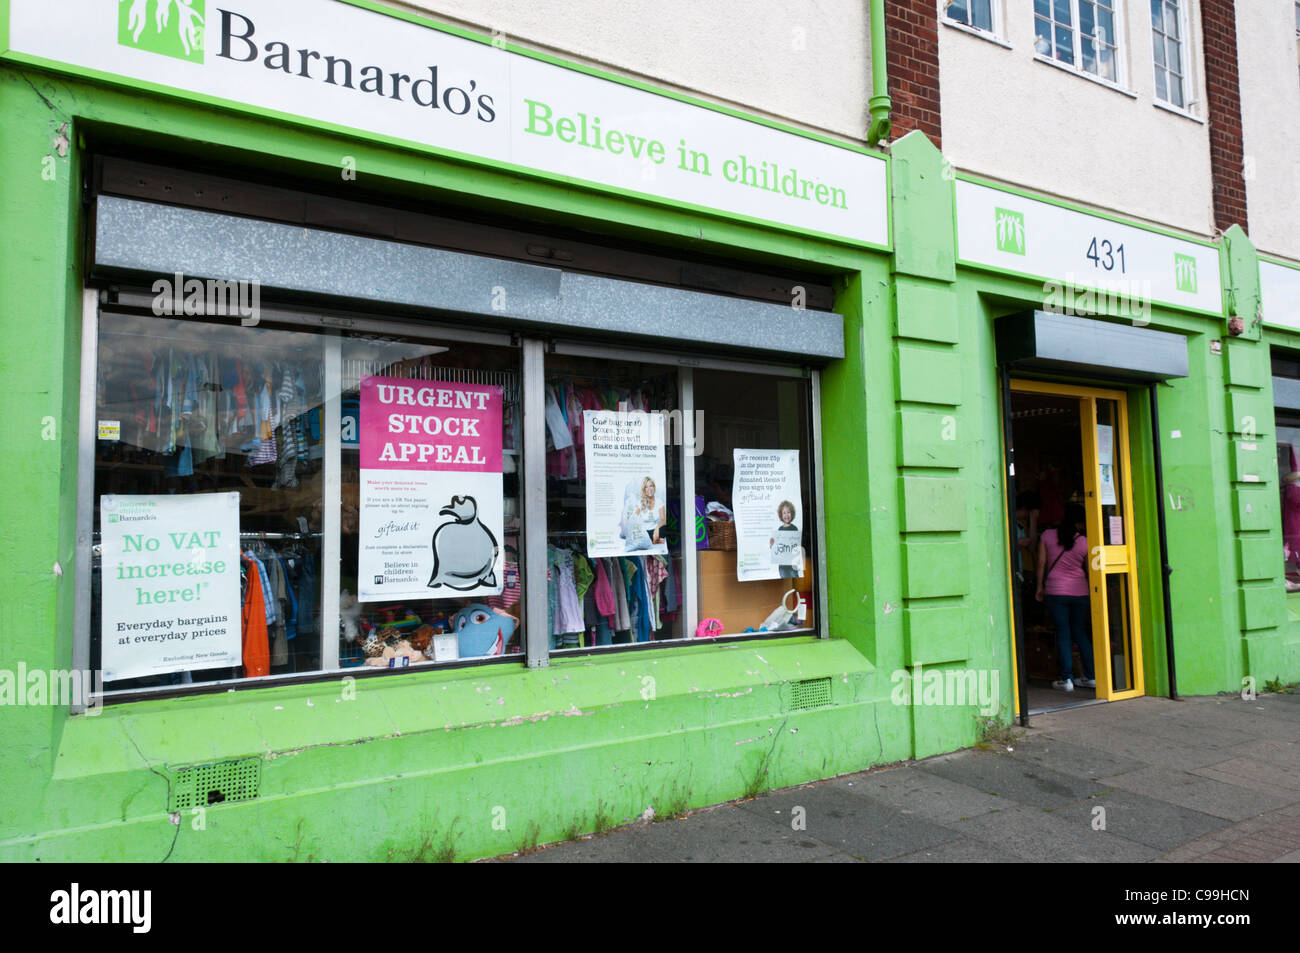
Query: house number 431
(1104, 255)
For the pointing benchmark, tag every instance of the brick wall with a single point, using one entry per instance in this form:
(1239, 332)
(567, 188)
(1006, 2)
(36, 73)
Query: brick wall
(912, 40)
(1219, 28)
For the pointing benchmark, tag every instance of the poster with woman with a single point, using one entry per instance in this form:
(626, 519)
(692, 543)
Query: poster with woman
(626, 483)
(766, 499)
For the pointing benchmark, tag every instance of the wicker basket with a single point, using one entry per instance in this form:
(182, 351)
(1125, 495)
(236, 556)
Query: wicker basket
(722, 534)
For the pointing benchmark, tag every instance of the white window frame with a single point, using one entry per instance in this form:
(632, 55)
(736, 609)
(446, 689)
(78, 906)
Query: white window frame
(1120, 50)
(1185, 60)
(995, 18)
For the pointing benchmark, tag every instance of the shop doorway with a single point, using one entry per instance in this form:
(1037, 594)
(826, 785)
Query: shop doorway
(1070, 447)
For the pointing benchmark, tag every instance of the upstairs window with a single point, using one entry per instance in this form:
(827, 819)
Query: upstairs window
(977, 14)
(1167, 46)
(1079, 33)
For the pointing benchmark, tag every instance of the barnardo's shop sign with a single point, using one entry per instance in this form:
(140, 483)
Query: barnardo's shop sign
(170, 578)
(335, 63)
(1131, 266)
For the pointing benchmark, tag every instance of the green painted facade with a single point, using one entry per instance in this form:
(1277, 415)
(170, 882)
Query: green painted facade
(468, 762)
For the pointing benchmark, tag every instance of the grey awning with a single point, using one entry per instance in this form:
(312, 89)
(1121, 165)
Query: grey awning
(1063, 344)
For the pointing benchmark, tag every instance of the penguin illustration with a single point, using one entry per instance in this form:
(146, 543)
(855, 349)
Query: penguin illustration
(464, 550)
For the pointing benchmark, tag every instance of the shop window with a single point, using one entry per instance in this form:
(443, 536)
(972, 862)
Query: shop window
(288, 499)
(977, 14)
(630, 560)
(1079, 33)
(273, 500)
(1167, 33)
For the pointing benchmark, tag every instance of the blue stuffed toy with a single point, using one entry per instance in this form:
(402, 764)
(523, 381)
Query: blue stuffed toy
(481, 631)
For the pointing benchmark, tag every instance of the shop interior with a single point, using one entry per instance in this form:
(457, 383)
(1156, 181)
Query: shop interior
(1046, 434)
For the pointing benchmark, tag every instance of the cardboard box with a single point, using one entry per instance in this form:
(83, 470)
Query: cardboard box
(740, 605)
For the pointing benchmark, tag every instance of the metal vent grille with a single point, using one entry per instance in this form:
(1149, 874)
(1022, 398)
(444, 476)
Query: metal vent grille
(810, 693)
(203, 784)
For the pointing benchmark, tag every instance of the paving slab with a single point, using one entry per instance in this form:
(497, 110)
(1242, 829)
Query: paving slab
(1256, 775)
(1209, 796)
(963, 850)
(1018, 782)
(729, 834)
(856, 824)
(1037, 835)
(922, 793)
(1072, 758)
(1145, 820)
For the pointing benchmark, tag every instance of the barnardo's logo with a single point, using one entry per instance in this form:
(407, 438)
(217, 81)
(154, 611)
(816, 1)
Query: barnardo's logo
(1185, 273)
(168, 27)
(1011, 231)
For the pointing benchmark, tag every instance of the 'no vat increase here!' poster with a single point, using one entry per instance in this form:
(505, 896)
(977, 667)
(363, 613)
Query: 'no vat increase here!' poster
(431, 490)
(769, 516)
(171, 583)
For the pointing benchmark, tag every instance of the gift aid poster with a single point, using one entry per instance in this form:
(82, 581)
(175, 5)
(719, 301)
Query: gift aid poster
(170, 579)
(431, 520)
(769, 518)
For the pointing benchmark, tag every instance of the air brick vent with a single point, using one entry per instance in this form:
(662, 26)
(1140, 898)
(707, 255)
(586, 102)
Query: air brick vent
(201, 785)
(810, 693)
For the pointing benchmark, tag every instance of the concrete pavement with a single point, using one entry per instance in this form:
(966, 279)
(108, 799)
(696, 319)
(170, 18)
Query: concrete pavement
(1213, 778)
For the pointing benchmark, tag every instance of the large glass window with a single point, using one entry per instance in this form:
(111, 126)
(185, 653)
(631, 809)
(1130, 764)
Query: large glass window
(272, 500)
(296, 499)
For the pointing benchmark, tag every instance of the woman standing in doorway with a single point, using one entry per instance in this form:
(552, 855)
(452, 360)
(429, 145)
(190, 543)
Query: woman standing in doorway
(1063, 589)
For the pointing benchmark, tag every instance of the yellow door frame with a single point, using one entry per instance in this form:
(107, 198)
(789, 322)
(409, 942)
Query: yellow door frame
(1106, 560)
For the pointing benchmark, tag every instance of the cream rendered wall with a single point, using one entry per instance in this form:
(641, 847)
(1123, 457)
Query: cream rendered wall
(1270, 119)
(1011, 117)
(807, 62)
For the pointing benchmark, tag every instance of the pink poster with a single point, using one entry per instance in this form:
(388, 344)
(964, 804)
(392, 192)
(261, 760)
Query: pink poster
(431, 490)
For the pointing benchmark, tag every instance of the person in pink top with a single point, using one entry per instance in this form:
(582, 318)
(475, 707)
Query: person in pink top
(1063, 588)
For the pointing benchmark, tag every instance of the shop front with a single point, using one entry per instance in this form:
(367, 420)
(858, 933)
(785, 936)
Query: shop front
(433, 449)
(1132, 413)
(443, 452)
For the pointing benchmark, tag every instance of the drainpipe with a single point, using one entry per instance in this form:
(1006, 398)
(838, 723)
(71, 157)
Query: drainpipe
(879, 103)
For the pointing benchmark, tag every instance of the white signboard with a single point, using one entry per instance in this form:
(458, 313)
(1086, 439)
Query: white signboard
(170, 579)
(335, 63)
(1279, 288)
(1009, 232)
(627, 486)
(766, 497)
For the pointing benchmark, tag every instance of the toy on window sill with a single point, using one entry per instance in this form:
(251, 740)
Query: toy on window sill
(482, 631)
(396, 656)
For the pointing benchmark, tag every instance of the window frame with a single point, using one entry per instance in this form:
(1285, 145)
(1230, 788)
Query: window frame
(1120, 50)
(1185, 59)
(994, 31)
(533, 348)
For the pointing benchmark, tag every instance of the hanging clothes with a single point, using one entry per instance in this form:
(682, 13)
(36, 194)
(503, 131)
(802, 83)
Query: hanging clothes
(256, 653)
(568, 609)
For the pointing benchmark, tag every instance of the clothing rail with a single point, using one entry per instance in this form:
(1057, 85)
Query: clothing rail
(272, 535)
